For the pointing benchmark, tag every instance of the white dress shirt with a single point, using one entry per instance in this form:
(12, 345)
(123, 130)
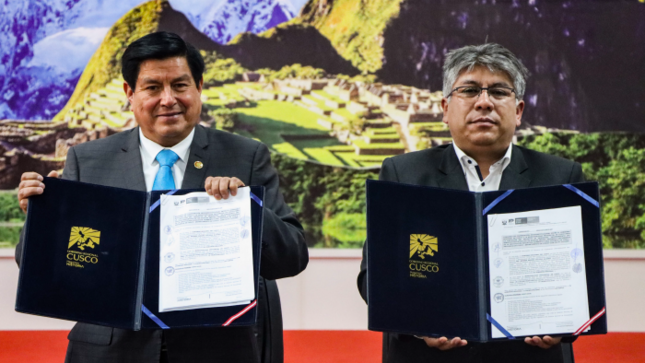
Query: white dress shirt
(473, 175)
(149, 150)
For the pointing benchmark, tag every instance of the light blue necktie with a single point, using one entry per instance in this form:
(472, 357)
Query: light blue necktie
(164, 179)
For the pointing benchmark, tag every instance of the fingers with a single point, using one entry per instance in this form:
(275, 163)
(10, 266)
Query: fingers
(53, 174)
(221, 187)
(544, 343)
(30, 175)
(30, 184)
(22, 198)
(444, 344)
(233, 185)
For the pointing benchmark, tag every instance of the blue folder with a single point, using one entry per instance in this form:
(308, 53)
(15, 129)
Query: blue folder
(91, 254)
(447, 292)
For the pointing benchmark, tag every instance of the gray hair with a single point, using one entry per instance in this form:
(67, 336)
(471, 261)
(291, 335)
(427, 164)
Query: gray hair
(491, 55)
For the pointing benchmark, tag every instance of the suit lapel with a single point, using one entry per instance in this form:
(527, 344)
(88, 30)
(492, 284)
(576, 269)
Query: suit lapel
(515, 176)
(451, 174)
(133, 176)
(194, 177)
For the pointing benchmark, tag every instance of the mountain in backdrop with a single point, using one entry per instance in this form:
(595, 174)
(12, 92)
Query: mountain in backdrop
(105, 64)
(224, 20)
(339, 36)
(586, 58)
(257, 52)
(47, 44)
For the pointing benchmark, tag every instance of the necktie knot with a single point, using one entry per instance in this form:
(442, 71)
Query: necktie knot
(164, 179)
(166, 157)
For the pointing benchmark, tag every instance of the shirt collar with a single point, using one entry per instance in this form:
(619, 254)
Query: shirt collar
(151, 148)
(463, 158)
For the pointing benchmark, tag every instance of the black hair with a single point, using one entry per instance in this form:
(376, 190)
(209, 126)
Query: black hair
(159, 45)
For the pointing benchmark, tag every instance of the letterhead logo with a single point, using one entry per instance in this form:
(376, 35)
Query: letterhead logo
(422, 247)
(82, 238)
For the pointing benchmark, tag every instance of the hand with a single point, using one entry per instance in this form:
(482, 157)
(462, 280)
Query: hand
(219, 186)
(544, 343)
(444, 344)
(31, 183)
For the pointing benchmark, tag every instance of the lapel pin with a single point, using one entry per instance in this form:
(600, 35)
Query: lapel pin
(198, 164)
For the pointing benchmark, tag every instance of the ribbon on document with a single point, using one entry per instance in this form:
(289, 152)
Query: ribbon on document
(256, 199)
(496, 201)
(590, 321)
(154, 318)
(499, 326)
(154, 206)
(234, 317)
(582, 194)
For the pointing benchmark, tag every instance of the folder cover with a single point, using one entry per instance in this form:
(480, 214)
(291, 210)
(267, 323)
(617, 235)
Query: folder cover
(91, 254)
(447, 292)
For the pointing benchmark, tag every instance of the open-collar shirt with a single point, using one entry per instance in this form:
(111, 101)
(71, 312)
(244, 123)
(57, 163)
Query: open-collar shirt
(474, 176)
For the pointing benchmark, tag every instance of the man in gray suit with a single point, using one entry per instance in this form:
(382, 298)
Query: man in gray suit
(163, 82)
(483, 87)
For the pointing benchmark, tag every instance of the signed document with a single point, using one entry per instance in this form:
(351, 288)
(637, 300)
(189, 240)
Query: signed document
(206, 255)
(538, 283)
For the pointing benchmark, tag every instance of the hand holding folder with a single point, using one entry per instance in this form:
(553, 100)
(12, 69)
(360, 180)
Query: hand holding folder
(444, 343)
(62, 278)
(432, 272)
(31, 184)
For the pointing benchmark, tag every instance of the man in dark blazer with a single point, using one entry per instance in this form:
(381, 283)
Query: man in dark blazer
(163, 82)
(483, 87)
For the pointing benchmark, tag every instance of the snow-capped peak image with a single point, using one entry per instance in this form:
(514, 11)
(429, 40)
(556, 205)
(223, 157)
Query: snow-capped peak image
(49, 42)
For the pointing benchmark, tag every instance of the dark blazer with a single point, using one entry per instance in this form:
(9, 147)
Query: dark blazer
(116, 161)
(439, 167)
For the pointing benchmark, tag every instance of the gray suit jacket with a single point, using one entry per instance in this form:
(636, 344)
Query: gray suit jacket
(116, 161)
(439, 167)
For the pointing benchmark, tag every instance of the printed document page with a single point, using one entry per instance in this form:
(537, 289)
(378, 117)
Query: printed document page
(538, 284)
(206, 251)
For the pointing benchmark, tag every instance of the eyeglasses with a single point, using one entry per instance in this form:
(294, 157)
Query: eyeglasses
(499, 93)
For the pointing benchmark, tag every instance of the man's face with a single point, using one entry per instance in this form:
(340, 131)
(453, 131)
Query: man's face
(482, 125)
(166, 102)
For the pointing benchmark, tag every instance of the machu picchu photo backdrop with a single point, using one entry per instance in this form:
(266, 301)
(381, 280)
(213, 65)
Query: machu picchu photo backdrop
(333, 87)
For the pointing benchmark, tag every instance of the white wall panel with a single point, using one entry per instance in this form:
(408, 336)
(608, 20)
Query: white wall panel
(325, 296)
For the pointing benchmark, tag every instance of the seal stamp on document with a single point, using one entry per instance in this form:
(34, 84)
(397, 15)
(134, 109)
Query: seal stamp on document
(244, 220)
(498, 262)
(169, 271)
(576, 252)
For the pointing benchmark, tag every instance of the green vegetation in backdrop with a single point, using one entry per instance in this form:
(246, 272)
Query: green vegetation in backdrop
(292, 71)
(354, 28)
(11, 219)
(617, 162)
(220, 70)
(330, 201)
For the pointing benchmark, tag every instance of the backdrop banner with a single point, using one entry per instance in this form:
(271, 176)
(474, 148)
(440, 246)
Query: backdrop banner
(333, 88)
